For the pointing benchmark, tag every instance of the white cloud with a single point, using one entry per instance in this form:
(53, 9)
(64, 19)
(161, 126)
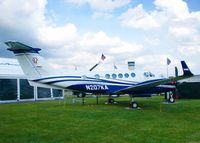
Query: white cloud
(77, 2)
(138, 18)
(174, 8)
(169, 25)
(98, 40)
(101, 8)
(126, 48)
(172, 23)
(104, 15)
(181, 32)
(190, 49)
(89, 47)
(22, 15)
(51, 35)
(166, 13)
(101, 5)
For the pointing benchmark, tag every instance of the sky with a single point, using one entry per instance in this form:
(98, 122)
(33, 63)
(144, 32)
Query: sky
(74, 33)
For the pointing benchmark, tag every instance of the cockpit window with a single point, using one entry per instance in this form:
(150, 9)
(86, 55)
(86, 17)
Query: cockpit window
(149, 74)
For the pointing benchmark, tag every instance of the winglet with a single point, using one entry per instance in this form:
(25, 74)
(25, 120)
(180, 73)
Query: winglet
(186, 70)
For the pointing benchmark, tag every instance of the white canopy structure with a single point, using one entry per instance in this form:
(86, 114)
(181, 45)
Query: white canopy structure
(15, 86)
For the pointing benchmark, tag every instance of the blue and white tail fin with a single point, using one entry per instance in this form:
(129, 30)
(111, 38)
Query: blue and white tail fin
(186, 70)
(32, 64)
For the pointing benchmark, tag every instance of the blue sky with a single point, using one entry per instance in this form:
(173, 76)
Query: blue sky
(70, 31)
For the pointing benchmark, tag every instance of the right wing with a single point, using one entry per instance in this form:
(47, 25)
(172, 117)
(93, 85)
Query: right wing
(153, 83)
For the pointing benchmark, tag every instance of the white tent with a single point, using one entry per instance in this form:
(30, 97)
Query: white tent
(15, 86)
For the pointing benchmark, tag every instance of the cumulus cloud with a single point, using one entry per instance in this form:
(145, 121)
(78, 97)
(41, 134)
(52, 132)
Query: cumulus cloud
(181, 32)
(138, 18)
(52, 35)
(166, 12)
(101, 8)
(104, 15)
(177, 9)
(64, 45)
(14, 13)
(101, 5)
(172, 23)
(190, 49)
(170, 28)
(92, 44)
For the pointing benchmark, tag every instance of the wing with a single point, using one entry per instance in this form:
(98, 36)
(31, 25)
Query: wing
(153, 83)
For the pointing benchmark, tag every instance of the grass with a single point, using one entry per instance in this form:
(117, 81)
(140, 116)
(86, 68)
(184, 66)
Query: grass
(64, 122)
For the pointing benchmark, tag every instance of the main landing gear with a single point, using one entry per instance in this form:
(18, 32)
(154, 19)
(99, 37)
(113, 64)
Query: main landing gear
(170, 96)
(111, 100)
(134, 105)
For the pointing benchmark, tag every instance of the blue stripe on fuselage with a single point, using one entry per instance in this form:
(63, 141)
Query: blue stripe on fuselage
(45, 78)
(97, 88)
(79, 78)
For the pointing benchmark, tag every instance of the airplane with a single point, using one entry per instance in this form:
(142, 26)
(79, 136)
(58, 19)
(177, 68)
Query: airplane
(39, 72)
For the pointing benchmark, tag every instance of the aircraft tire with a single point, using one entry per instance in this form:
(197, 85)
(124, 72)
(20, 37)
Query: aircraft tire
(110, 101)
(134, 104)
(81, 95)
(171, 99)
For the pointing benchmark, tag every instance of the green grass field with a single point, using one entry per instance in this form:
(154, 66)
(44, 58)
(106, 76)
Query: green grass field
(63, 122)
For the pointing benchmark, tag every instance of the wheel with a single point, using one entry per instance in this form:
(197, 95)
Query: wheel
(81, 95)
(110, 101)
(134, 105)
(171, 99)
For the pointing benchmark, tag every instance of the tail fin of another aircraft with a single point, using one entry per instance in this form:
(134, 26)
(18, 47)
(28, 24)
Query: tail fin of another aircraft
(32, 64)
(186, 70)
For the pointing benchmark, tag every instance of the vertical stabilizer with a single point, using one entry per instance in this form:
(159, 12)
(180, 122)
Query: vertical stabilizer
(32, 64)
(186, 70)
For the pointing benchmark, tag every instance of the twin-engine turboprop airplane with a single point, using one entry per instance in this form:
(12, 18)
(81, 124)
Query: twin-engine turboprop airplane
(39, 72)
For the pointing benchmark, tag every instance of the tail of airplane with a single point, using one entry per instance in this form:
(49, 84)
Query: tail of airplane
(186, 70)
(32, 64)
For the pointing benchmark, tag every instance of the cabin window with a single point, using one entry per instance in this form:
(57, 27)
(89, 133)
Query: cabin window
(97, 76)
(114, 75)
(120, 75)
(132, 74)
(107, 76)
(126, 75)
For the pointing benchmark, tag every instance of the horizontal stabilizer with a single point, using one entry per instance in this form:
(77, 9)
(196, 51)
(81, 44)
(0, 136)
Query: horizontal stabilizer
(18, 47)
(145, 85)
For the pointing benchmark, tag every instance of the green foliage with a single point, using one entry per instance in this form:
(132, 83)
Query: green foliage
(61, 121)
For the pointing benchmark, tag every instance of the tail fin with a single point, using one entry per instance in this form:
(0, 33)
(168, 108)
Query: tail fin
(186, 70)
(32, 64)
